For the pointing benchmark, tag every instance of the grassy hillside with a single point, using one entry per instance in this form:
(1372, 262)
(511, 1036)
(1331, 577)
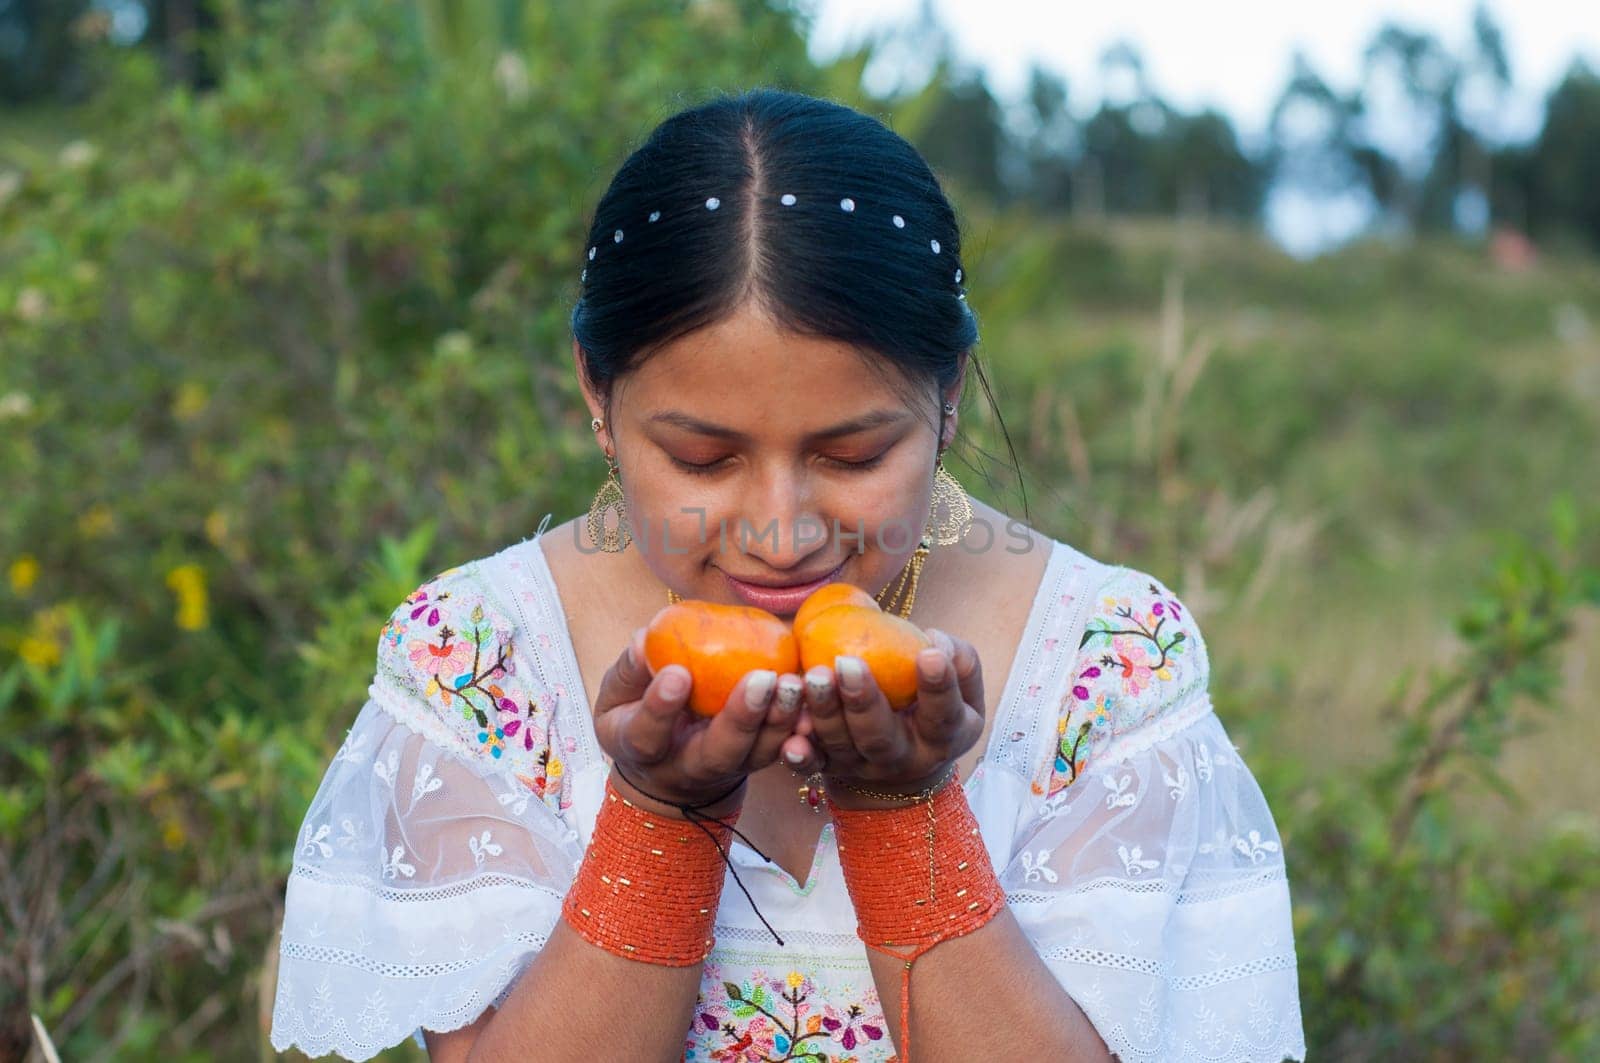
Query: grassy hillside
(1321, 454)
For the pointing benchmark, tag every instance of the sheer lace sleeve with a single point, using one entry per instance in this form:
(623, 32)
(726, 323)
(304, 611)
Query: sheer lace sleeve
(434, 857)
(1151, 877)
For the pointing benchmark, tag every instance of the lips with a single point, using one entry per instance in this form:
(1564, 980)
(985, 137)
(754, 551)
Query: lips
(781, 600)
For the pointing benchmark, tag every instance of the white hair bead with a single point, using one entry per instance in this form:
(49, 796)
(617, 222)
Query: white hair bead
(787, 199)
(899, 222)
(958, 276)
(617, 236)
(847, 204)
(935, 245)
(655, 215)
(584, 275)
(713, 203)
(591, 254)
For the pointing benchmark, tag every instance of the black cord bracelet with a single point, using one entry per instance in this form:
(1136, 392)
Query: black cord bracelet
(693, 814)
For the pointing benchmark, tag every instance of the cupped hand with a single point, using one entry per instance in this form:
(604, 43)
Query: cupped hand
(849, 731)
(645, 726)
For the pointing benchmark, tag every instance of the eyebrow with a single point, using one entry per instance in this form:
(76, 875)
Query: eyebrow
(875, 419)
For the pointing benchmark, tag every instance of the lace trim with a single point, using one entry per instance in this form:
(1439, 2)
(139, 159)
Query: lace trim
(1014, 734)
(402, 708)
(1158, 730)
(1271, 876)
(291, 1031)
(810, 938)
(296, 950)
(1121, 961)
(423, 894)
(1289, 1044)
(1278, 1027)
(1278, 961)
(1264, 879)
(563, 654)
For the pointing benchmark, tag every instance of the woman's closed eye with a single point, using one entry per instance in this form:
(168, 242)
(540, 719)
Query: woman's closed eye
(697, 468)
(863, 464)
(709, 467)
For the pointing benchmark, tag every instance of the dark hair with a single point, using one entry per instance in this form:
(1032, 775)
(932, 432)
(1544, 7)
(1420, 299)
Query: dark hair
(699, 219)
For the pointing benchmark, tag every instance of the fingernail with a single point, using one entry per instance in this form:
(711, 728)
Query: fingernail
(788, 694)
(674, 684)
(930, 667)
(851, 673)
(795, 758)
(758, 687)
(941, 640)
(819, 682)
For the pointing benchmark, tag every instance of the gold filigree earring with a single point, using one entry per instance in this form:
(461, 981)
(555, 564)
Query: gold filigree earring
(950, 514)
(612, 535)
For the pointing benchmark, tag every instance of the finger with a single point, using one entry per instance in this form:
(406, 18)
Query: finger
(780, 722)
(802, 755)
(969, 670)
(644, 730)
(725, 745)
(939, 707)
(875, 731)
(627, 677)
(828, 728)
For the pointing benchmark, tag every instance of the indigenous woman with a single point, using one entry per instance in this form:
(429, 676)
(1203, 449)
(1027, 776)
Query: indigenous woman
(530, 848)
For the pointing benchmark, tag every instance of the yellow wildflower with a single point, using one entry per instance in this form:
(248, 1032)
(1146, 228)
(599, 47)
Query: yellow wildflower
(173, 835)
(97, 521)
(188, 583)
(24, 572)
(45, 653)
(190, 401)
(794, 980)
(42, 645)
(217, 527)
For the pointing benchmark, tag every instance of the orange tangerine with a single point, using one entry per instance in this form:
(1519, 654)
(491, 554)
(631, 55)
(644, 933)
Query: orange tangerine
(887, 644)
(718, 644)
(827, 596)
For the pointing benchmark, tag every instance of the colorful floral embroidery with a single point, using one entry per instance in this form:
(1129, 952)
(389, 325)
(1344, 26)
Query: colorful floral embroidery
(765, 1019)
(446, 646)
(1139, 656)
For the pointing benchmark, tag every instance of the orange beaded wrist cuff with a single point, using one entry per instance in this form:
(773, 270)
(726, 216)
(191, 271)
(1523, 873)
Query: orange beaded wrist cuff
(917, 875)
(649, 885)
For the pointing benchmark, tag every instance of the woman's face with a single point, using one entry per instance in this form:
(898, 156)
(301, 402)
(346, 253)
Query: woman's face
(758, 464)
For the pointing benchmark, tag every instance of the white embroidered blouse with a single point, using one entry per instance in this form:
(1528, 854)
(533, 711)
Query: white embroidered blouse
(1134, 844)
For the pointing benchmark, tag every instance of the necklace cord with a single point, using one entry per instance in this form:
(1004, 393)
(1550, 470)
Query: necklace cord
(693, 814)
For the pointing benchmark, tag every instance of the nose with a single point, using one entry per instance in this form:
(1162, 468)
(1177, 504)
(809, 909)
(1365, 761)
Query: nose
(781, 526)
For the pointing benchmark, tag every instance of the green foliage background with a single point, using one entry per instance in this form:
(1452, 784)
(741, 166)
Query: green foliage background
(273, 353)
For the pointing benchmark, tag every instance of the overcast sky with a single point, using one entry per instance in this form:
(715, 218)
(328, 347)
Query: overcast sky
(1235, 55)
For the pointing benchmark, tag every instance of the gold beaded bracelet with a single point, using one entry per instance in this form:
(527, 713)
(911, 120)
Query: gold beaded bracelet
(915, 798)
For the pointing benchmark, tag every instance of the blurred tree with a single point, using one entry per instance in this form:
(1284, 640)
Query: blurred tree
(1309, 131)
(39, 42)
(176, 29)
(1146, 157)
(1552, 185)
(1052, 144)
(46, 46)
(1407, 84)
(965, 135)
(1454, 193)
